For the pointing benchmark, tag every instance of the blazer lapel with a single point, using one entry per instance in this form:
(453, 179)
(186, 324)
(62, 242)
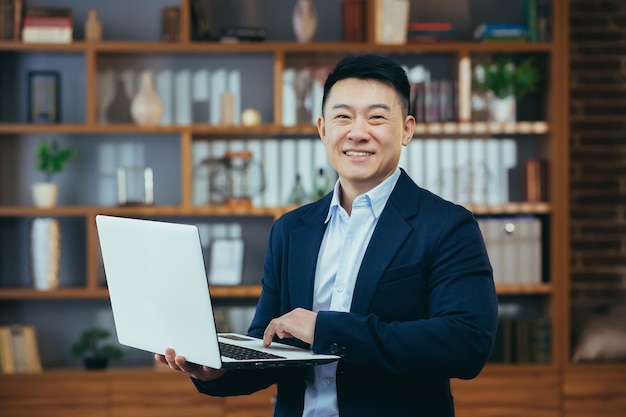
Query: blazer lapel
(389, 236)
(305, 241)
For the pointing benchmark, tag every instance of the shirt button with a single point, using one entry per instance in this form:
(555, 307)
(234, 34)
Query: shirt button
(339, 288)
(330, 380)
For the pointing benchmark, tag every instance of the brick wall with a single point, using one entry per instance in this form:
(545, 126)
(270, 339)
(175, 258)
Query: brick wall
(598, 154)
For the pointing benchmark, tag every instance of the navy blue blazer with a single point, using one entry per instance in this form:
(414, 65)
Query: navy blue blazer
(424, 309)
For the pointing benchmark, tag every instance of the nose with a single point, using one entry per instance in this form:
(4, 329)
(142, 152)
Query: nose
(358, 129)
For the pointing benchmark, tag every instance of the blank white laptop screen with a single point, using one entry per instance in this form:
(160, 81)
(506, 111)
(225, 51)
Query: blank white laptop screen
(160, 298)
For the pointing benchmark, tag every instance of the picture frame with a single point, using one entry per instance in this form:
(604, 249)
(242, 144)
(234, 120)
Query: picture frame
(226, 266)
(44, 97)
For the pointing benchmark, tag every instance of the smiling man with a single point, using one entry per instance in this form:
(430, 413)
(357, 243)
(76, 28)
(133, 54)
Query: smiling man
(385, 274)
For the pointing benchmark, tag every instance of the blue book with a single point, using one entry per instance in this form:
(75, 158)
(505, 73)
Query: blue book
(501, 30)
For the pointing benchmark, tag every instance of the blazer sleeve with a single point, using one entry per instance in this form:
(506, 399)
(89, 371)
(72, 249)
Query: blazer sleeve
(454, 334)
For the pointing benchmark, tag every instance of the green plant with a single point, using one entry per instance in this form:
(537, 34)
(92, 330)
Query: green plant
(89, 345)
(504, 78)
(52, 158)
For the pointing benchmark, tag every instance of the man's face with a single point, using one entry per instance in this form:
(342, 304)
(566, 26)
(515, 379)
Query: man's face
(363, 129)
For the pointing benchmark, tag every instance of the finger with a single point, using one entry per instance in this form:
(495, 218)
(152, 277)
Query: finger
(268, 334)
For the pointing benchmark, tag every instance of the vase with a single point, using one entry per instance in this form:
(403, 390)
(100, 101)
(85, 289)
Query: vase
(304, 20)
(93, 27)
(146, 108)
(44, 194)
(501, 110)
(45, 253)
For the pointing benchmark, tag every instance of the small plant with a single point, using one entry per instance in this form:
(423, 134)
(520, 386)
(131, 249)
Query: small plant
(52, 158)
(504, 78)
(89, 345)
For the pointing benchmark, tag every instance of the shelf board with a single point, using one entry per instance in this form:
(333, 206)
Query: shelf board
(510, 208)
(265, 130)
(227, 210)
(239, 291)
(513, 289)
(236, 291)
(273, 47)
(482, 128)
(213, 210)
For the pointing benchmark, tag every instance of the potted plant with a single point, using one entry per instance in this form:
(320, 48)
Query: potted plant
(51, 158)
(89, 347)
(506, 82)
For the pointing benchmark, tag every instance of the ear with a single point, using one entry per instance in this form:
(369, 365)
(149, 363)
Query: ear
(321, 128)
(409, 129)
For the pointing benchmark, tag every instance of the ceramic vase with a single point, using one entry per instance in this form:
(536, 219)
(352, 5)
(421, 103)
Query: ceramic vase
(146, 107)
(44, 194)
(45, 253)
(502, 110)
(93, 27)
(304, 20)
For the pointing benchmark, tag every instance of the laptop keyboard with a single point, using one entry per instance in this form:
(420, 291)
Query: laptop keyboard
(242, 353)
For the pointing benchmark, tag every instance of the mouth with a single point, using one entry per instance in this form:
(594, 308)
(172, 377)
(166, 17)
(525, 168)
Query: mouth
(358, 153)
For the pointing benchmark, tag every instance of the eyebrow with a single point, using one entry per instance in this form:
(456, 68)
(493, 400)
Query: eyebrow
(370, 107)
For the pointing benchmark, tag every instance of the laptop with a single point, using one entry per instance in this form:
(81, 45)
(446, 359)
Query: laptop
(159, 293)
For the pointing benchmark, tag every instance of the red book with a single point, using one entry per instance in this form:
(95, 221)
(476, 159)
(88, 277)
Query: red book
(430, 26)
(47, 21)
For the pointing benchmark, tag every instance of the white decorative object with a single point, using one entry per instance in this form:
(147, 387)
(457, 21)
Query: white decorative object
(304, 20)
(146, 108)
(45, 253)
(250, 117)
(44, 194)
(501, 110)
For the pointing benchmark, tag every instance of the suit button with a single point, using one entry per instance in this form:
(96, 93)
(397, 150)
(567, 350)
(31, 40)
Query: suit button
(334, 348)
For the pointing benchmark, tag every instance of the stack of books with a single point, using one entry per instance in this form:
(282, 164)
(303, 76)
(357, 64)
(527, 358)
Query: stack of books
(431, 32)
(47, 25)
(508, 32)
(18, 350)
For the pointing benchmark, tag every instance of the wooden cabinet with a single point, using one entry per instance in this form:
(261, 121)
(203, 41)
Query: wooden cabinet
(594, 390)
(128, 393)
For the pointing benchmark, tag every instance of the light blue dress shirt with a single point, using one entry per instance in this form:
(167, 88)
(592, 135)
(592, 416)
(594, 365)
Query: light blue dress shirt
(338, 262)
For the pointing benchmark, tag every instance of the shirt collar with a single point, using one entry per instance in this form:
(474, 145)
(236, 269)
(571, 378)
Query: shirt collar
(377, 196)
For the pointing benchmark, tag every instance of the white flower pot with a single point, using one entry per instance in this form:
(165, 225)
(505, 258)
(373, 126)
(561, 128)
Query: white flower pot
(502, 110)
(44, 194)
(146, 107)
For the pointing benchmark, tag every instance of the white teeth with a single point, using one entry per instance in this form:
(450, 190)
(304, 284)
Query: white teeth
(353, 153)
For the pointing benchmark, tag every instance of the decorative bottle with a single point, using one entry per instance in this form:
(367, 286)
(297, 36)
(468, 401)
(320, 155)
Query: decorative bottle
(146, 108)
(321, 185)
(304, 20)
(93, 27)
(297, 194)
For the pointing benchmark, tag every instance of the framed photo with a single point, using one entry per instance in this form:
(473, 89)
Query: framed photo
(44, 97)
(226, 261)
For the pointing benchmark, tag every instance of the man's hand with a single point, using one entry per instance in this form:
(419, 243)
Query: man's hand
(180, 364)
(298, 323)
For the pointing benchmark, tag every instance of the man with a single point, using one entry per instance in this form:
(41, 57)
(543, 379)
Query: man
(386, 274)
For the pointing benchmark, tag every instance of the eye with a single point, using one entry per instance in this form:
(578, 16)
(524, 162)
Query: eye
(341, 116)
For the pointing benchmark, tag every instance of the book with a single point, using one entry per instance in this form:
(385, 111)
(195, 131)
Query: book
(47, 21)
(391, 22)
(243, 34)
(170, 24)
(528, 181)
(48, 11)
(47, 35)
(18, 350)
(18, 9)
(501, 31)
(353, 20)
(7, 355)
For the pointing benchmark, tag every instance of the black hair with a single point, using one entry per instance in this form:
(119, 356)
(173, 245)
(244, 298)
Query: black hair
(370, 67)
